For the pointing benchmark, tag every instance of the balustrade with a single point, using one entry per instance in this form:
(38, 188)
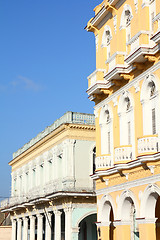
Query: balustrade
(148, 144)
(123, 153)
(103, 161)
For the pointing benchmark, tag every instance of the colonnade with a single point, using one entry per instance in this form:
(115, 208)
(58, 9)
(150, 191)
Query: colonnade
(40, 226)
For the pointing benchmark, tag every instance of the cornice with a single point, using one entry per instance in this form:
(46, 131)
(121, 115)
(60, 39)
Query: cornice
(117, 168)
(129, 184)
(127, 86)
(63, 128)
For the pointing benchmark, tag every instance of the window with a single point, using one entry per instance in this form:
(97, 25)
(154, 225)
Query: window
(27, 181)
(126, 119)
(153, 121)
(152, 23)
(150, 105)
(152, 12)
(94, 159)
(33, 177)
(128, 17)
(15, 187)
(109, 143)
(106, 40)
(129, 133)
(106, 130)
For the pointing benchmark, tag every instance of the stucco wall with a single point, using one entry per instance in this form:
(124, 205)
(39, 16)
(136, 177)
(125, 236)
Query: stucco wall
(5, 232)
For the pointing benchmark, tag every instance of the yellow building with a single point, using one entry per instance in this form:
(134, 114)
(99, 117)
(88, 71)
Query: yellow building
(125, 88)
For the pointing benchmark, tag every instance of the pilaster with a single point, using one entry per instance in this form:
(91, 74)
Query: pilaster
(147, 229)
(123, 230)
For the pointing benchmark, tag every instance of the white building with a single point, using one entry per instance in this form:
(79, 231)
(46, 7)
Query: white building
(52, 194)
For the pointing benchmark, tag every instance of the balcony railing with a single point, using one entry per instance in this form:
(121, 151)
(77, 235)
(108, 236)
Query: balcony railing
(103, 162)
(123, 153)
(139, 46)
(148, 144)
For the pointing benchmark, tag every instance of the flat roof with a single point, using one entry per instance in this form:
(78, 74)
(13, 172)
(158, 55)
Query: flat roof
(68, 117)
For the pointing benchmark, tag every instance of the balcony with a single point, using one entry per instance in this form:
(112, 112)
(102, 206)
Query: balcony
(156, 37)
(117, 66)
(139, 46)
(97, 83)
(123, 153)
(103, 162)
(148, 144)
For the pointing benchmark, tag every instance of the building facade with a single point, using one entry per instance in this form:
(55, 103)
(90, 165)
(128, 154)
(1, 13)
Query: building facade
(52, 194)
(126, 89)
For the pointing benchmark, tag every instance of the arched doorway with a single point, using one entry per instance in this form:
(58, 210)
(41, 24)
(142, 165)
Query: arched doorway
(157, 215)
(88, 229)
(129, 214)
(111, 227)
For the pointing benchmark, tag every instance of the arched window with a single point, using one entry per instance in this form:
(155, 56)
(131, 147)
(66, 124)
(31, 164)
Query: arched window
(126, 117)
(152, 13)
(106, 39)
(106, 130)
(94, 159)
(126, 21)
(150, 104)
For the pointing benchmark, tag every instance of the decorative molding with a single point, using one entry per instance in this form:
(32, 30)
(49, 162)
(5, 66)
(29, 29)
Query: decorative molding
(68, 117)
(128, 185)
(136, 5)
(137, 87)
(115, 23)
(128, 85)
(146, 221)
(140, 194)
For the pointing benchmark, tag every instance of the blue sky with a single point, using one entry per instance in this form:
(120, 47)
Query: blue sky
(45, 58)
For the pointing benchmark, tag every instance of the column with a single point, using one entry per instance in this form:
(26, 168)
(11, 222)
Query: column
(19, 232)
(25, 228)
(103, 230)
(48, 226)
(14, 229)
(40, 227)
(123, 230)
(68, 223)
(147, 229)
(57, 228)
(32, 227)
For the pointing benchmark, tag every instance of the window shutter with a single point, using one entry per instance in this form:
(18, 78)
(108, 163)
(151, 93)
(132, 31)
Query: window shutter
(129, 133)
(109, 150)
(153, 121)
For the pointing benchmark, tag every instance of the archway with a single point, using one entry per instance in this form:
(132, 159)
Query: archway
(88, 230)
(111, 227)
(129, 214)
(157, 215)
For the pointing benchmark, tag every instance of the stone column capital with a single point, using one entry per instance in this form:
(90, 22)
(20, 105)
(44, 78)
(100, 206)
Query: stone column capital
(19, 220)
(39, 216)
(57, 212)
(68, 209)
(32, 217)
(146, 220)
